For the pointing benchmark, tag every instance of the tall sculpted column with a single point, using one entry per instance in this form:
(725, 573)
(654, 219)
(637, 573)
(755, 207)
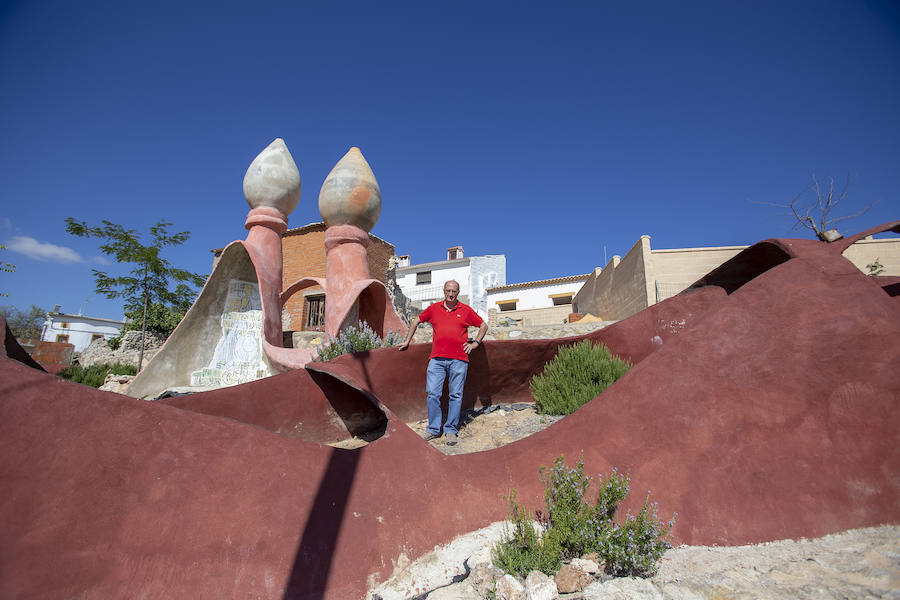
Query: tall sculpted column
(350, 204)
(272, 189)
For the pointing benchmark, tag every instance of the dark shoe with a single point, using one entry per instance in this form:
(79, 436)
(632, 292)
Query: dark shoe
(430, 436)
(451, 439)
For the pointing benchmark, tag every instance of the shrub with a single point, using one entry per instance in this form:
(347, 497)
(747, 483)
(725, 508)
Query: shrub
(356, 338)
(635, 547)
(571, 527)
(95, 375)
(574, 377)
(523, 551)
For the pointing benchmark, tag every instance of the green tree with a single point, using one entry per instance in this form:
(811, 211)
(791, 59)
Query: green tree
(148, 282)
(6, 268)
(161, 318)
(24, 324)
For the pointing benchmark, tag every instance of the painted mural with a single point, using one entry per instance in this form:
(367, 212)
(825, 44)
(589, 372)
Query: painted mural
(238, 357)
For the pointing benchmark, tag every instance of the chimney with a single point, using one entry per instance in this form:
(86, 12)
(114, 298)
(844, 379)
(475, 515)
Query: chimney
(403, 261)
(454, 252)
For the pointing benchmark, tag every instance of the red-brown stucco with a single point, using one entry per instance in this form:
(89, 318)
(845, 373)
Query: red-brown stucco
(764, 413)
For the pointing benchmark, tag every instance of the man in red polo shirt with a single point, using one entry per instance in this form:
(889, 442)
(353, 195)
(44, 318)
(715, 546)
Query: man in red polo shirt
(450, 350)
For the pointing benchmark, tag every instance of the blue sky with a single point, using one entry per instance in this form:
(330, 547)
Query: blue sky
(547, 132)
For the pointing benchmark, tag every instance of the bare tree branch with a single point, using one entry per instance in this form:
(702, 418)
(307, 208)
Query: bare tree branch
(806, 215)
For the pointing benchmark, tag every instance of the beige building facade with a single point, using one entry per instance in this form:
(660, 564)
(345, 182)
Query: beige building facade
(645, 276)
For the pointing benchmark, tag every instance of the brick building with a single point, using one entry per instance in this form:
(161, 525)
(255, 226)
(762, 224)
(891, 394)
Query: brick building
(303, 249)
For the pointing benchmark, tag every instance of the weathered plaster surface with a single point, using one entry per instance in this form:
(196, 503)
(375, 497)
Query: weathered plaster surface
(763, 405)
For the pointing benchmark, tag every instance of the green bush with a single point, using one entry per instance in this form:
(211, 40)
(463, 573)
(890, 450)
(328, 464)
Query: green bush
(574, 377)
(570, 527)
(522, 550)
(95, 375)
(356, 338)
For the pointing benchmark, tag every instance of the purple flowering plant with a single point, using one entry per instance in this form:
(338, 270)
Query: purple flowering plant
(569, 527)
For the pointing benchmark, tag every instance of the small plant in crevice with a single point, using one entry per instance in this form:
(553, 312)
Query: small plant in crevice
(570, 527)
(575, 376)
(356, 338)
(875, 268)
(114, 343)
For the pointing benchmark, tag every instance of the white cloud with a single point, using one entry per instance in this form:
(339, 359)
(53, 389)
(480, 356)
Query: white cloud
(101, 260)
(32, 248)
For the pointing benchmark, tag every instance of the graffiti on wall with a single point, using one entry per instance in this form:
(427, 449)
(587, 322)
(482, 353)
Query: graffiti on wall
(238, 357)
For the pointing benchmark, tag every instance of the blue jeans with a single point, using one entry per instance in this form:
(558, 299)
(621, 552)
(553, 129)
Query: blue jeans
(438, 370)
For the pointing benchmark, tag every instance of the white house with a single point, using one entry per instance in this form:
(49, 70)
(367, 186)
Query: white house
(78, 330)
(543, 302)
(424, 283)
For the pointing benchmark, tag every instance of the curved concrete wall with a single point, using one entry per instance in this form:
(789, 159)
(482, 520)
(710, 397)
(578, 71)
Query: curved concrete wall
(192, 344)
(768, 413)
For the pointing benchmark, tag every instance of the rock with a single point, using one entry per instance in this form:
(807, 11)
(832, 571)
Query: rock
(402, 304)
(509, 588)
(622, 588)
(116, 383)
(127, 353)
(571, 578)
(855, 564)
(483, 578)
(460, 591)
(539, 586)
(307, 339)
(589, 564)
(441, 567)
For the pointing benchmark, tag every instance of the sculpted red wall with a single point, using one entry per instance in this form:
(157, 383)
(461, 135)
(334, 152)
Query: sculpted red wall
(770, 412)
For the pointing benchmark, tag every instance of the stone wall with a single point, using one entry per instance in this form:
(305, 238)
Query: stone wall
(519, 332)
(99, 351)
(536, 317)
(402, 304)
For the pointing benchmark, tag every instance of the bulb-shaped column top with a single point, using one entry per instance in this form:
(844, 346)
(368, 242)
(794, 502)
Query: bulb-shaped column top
(273, 180)
(350, 194)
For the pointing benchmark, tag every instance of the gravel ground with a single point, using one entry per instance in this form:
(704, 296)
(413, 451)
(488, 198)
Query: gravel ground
(856, 564)
(490, 427)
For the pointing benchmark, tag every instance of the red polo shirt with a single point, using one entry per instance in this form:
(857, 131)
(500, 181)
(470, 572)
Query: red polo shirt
(451, 329)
